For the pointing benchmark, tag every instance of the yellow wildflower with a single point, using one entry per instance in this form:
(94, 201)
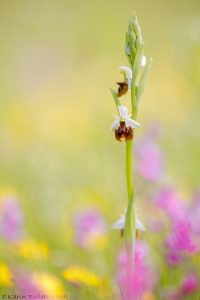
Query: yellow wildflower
(32, 250)
(6, 191)
(98, 242)
(49, 283)
(80, 275)
(5, 275)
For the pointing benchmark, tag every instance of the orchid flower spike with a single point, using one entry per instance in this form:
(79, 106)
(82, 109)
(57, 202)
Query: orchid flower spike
(120, 223)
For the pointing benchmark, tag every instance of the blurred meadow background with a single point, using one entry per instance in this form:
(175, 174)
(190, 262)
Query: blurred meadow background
(58, 158)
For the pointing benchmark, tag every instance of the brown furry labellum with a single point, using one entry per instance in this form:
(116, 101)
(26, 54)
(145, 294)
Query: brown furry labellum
(123, 132)
(123, 88)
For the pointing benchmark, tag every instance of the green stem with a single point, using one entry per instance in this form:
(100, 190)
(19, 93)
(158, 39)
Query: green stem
(130, 222)
(129, 230)
(133, 102)
(129, 176)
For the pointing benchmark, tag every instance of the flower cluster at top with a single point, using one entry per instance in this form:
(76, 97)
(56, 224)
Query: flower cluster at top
(134, 79)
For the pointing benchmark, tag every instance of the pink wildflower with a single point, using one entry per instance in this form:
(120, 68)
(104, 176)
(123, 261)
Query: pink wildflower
(194, 213)
(179, 242)
(173, 257)
(190, 285)
(11, 219)
(25, 284)
(134, 280)
(170, 202)
(89, 226)
(180, 238)
(150, 159)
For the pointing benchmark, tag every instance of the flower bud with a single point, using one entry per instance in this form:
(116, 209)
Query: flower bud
(133, 39)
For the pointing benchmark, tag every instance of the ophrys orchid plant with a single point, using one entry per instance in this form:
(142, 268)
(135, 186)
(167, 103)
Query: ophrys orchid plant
(124, 125)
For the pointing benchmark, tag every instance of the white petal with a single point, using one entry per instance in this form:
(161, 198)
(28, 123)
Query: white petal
(115, 124)
(123, 111)
(127, 71)
(119, 224)
(143, 63)
(139, 224)
(132, 123)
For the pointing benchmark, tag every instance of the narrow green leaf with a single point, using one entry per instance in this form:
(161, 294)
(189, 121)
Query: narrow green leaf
(143, 81)
(137, 63)
(116, 99)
